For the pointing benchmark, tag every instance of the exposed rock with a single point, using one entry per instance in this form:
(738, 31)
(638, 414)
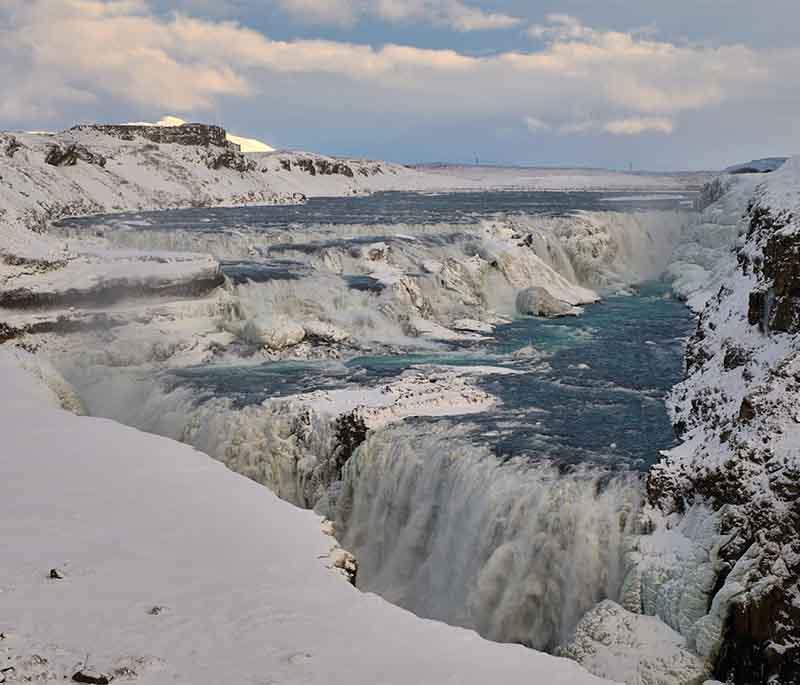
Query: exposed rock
(89, 675)
(9, 145)
(231, 159)
(185, 134)
(322, 166)
(773, 254)
(346, 563)
(537, 301)
(746, 411)
(69, 155)
(735, 357)
(55, 574)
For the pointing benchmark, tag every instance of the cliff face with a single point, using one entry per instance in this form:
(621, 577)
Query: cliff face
(185, 134)
(738, 412)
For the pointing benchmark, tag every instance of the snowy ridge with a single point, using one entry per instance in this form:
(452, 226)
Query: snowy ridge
(217, 579)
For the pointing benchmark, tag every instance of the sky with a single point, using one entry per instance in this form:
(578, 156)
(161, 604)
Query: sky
(685, 84)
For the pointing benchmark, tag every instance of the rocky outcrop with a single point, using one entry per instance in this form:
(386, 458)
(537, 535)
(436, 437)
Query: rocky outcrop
(231, 159)
(774, 257)
(68, 155)
(202, 135)
(537, 301)
(9, 145)
(318, 166)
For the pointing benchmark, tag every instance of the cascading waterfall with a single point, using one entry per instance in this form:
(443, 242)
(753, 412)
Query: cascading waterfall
(517, 550)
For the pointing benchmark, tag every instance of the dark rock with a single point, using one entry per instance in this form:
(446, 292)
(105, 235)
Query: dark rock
(10, 145)
(70, 154)
(88, 675)
(202, 135)
(775, 304)
(351, 431)
(231, 159)
(55, 574)
(323, 167)
(735, 357)
(747, 411)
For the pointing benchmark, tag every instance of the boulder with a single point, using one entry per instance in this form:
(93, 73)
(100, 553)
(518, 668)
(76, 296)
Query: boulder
(275, 334)
(537, 301)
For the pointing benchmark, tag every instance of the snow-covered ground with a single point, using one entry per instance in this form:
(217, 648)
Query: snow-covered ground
(137, 557)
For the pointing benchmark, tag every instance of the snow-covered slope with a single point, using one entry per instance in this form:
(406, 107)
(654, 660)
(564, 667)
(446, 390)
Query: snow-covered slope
(167, 567)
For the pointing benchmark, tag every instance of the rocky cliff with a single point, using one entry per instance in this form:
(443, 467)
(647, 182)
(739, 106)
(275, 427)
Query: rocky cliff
(184, 134)
(738, 469)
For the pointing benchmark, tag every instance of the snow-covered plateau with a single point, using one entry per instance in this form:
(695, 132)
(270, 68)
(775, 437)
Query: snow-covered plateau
(271, 347)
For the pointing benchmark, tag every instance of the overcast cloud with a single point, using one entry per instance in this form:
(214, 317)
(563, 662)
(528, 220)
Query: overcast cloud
(554, 89)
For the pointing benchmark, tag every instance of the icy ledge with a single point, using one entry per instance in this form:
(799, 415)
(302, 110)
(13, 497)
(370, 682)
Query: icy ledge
(175, 569)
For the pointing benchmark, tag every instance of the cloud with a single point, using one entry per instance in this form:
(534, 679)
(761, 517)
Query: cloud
(635, 126)
(450, 13)
(535, 125)
(560, 27)
(631, 126)
(330, 12)
(81, 54)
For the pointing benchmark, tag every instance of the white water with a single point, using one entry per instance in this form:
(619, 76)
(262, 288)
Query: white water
(515, 550)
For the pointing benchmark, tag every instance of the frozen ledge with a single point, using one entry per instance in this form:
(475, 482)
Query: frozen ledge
(422, 392)
(175, 569)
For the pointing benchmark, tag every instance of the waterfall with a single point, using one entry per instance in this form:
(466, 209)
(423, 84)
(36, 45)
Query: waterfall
(514, 549)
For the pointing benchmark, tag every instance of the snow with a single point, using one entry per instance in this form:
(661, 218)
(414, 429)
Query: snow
(178, 570)
(541, 178)
(422, 392)
(632, 648)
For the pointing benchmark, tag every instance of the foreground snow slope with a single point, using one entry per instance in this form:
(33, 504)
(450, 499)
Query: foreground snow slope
(135, 522)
